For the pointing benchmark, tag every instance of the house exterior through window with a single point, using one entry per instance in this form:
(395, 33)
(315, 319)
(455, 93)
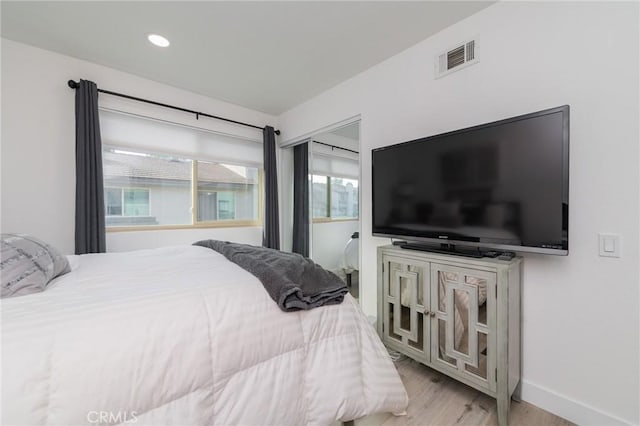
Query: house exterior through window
(334, 198)
(149, 189)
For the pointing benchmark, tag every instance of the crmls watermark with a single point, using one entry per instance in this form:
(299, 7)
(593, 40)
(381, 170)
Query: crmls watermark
(110, 417)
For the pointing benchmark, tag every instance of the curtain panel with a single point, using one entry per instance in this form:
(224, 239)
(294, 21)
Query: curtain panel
(301, 199)
(271, 233)
(90, 236)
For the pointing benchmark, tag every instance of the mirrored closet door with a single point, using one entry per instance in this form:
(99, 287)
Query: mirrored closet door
(330, 160)
(334, 170)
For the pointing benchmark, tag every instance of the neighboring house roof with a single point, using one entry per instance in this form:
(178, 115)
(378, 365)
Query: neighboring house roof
(134, 166)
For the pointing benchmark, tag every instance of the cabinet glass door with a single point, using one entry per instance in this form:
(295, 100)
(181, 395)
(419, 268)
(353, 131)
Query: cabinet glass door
(464, 304)
(406, 305)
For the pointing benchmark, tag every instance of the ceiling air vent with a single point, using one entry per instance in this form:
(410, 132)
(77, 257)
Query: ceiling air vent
(459, 57)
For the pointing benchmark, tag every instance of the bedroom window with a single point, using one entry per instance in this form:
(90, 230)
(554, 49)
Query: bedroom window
(150, 190)
(164, 175)
(334, 198)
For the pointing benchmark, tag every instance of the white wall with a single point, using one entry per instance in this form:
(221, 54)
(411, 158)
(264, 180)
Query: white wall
(328, 240)
(580, 313)
(38, 143)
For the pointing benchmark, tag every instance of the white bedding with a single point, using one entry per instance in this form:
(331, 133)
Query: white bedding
(180, 335)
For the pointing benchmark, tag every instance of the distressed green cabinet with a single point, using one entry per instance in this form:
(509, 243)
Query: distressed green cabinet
(460, 316)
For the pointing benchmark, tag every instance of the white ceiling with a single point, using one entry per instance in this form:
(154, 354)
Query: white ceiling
(268, 56)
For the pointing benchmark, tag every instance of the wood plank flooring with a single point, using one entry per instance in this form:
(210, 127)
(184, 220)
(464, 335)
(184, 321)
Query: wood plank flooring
(435, 399)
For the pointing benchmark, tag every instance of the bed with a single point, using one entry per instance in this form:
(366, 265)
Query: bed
(180, 335)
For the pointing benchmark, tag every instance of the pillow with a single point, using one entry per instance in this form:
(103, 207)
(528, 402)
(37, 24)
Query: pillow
(27, 264)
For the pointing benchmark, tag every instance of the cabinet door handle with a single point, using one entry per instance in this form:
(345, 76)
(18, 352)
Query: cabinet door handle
(426, 312)
(433, 314)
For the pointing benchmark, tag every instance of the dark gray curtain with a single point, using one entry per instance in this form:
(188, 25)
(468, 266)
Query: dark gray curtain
(271, 235)
(301, 199)
(90, 233)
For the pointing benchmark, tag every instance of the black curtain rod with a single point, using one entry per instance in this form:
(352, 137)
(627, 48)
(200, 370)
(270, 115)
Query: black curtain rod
(336, 147)
(74, 85)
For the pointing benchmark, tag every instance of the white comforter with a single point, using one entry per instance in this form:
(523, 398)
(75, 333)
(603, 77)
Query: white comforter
(180, 335)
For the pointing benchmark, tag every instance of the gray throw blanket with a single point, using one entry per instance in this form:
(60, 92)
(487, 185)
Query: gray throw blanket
(293, 281)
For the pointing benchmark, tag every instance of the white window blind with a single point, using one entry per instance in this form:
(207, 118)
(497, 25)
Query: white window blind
(336, 162)
(124, 130)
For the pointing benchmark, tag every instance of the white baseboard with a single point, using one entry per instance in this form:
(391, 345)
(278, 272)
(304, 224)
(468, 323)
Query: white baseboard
(567, 408)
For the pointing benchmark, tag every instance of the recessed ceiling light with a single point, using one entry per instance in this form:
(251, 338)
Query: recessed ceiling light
(158, 40)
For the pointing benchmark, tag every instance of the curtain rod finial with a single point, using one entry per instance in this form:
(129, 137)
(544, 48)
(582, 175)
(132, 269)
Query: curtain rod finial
(73, 84)
(277, 132)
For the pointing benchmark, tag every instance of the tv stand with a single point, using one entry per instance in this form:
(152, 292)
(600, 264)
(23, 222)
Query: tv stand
(458, 316)
(449, 249)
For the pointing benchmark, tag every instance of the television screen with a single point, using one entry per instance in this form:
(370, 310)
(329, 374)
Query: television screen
(503, 184)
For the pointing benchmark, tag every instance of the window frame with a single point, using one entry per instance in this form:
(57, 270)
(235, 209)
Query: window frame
(195, 223)
(329, 218)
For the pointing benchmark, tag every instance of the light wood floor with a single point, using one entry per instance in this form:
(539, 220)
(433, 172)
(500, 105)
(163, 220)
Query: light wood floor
(435, 399)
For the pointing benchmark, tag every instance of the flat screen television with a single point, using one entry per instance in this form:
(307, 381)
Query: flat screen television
(502, 185)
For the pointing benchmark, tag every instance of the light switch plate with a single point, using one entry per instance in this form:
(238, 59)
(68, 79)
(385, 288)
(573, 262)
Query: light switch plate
(609, 245)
